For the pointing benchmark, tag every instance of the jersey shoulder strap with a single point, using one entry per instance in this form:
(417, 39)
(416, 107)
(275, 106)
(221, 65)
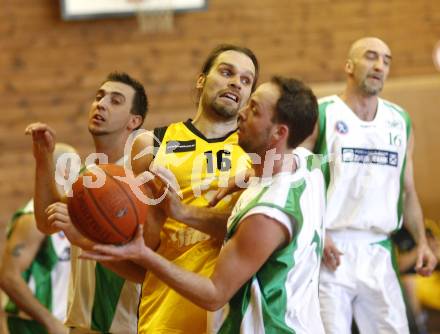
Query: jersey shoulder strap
(159, 134)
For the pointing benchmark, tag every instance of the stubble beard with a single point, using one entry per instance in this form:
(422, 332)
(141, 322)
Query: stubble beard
(226, 112)
(370, 90)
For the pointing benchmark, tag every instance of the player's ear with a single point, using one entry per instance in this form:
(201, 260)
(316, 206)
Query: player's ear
(281, 132)
(201, 81)
(134, 122)
(349, 66)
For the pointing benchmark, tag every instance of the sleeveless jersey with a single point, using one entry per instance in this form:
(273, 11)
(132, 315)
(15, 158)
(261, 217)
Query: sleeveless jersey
(99, 299)
(48, 274)
(199, 165)
(282, 297)
(366, 166)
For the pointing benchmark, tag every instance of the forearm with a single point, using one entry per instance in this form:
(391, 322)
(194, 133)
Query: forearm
(18, 291)
(45, 193)
(413, 218)
(127, 269)
(208, 220)
(198, 289)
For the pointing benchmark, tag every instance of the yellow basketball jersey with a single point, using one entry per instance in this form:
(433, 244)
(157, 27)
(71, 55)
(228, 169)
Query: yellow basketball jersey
(200, 165)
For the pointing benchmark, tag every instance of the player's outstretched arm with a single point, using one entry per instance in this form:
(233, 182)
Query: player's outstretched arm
(21, 249)
(59, 217)
(413, 217)
(232, 186)
(211, 221)
(45, 192)
(214, 292)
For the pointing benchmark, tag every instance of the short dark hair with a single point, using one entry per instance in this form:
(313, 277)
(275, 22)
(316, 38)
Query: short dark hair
(140, 99)
(297, 107)
(219, 49)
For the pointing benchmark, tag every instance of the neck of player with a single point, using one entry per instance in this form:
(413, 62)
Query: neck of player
(213, 125)
(364, 106)
(113, 148)
(275, 162)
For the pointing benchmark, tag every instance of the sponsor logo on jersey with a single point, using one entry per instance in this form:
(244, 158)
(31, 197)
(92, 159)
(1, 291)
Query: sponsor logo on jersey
(177, 146)
(395, 124)
(341, 127)
(370, 156)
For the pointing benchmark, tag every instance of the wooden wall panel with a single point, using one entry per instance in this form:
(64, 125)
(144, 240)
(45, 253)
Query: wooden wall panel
(50, 69)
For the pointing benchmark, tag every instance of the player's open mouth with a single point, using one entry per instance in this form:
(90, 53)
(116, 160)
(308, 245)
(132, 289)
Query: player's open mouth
(231, 96)
(98, 118)
(375, 77)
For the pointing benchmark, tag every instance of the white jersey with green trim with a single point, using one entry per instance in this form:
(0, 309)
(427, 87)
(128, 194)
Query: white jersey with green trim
(365, 173)
(282, 297)
(48, 273)
(100, 300)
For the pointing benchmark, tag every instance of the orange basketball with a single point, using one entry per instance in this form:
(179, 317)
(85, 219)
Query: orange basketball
(109, 214)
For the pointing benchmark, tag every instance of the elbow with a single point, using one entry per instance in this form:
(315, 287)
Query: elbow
(214, 303)
(43, 226)
(213, 306)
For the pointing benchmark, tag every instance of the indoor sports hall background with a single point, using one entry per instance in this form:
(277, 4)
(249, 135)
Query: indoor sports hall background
(50, 67)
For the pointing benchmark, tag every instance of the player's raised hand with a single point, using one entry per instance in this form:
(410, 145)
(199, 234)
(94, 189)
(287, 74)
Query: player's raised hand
(43, 138)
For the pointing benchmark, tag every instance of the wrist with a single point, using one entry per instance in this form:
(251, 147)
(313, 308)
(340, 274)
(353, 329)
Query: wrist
(142, 257)
(421, 240)
(184, 214)
(44, 159)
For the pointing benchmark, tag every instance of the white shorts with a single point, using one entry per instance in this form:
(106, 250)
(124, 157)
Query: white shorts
(364, 286)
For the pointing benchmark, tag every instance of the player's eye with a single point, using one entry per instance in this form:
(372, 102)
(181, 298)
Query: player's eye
(246, 81)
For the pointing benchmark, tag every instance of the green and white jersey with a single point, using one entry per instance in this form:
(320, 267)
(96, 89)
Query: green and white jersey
(282, 297)
(48, 274)
(99, 299)
(365, 173)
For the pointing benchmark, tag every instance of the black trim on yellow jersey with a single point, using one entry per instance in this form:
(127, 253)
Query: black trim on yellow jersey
(159, 133)
(195, 131)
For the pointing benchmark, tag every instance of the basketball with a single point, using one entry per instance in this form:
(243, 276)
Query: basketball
(108, 214)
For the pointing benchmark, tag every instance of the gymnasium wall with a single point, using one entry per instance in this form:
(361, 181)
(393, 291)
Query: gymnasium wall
(50, 69)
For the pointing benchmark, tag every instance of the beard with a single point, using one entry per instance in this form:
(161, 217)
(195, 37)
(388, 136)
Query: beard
(250, 144)
(369, 89)
(223, 111)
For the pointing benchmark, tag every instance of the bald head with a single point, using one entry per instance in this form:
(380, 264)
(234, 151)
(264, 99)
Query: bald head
(367, 66)
(359, 47)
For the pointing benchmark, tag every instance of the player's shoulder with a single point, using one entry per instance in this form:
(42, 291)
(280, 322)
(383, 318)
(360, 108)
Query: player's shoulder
(328, 99)
(396, 110)
(392, 106)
